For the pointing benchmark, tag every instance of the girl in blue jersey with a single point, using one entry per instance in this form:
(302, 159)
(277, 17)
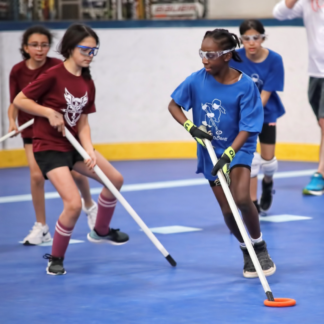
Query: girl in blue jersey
(228, 103)
(265, 67)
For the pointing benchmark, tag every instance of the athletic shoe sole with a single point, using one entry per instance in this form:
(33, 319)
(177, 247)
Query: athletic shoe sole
(267, 273)
(55, 274)
(313, 192)
(103, 241)
(27, 243)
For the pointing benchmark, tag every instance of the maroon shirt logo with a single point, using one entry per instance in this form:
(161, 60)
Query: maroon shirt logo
(74, 107)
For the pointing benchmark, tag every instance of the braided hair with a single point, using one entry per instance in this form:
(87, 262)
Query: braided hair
(225, 40)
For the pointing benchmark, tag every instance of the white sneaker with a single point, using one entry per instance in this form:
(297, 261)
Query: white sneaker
(91, 213)
(39, 234)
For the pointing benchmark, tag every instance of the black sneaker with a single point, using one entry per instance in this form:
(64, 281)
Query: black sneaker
(114, 237)
(267, 265)
(248, 269)
(267, 195)
(257, 206)
(55, 265)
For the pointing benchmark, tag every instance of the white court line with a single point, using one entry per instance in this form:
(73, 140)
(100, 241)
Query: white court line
(155, 185)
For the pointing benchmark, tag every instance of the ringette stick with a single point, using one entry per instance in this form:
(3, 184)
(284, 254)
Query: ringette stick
(20, 128)
(121, 199)
(239, 221)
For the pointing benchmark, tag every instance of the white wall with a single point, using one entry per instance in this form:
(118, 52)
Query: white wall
(137, 70)
(229, 9)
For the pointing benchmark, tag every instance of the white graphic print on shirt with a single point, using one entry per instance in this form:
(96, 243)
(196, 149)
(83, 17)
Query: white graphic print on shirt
(256, 79)
(213, 112)
(74, 107)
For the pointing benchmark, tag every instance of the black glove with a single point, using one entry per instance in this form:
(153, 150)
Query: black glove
(224, 164)
(197, 133)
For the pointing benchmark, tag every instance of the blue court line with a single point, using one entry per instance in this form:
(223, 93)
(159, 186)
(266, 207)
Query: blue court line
(154, 185)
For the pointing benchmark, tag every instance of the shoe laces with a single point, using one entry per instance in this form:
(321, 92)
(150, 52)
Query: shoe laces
(50, 257)
(113, 231)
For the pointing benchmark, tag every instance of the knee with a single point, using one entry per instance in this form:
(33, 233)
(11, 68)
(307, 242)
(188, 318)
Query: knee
(118, 180)
(36, 178)
(243, 202)
(269, 167)
(73, 207)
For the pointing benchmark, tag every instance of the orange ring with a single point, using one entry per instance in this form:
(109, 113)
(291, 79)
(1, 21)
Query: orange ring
(280, 302)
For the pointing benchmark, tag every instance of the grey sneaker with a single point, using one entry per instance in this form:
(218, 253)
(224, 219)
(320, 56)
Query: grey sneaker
(267, 265)
(114, 237)
(248, 268)
(55, 265)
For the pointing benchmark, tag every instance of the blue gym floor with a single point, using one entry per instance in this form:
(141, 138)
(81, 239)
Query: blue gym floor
(133, 283)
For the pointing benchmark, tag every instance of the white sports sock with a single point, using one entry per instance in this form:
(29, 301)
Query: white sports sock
(258, 240)
(242, 245)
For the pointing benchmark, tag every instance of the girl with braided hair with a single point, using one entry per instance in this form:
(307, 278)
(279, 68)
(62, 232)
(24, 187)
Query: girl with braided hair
(234, 136)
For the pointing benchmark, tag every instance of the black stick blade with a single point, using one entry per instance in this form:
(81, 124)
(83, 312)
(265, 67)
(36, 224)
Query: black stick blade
(171, 261)
(270, 296)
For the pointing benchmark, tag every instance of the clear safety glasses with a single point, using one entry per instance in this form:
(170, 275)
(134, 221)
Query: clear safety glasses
(39, 46)
(88, 51)
(248, 38)
(213, 55)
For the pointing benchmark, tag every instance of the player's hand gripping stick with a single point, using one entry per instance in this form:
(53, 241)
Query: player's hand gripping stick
(20, 128)
(121, 199)
(198, 134)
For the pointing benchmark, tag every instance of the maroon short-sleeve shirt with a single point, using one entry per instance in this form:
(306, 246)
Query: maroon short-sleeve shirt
(20, 77)
(65, 93)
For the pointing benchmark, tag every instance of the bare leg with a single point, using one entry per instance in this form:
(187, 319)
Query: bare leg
(36, 185)
(254, 188)
(83, 185)
(62, 180)
(240, 188)
(111, 173)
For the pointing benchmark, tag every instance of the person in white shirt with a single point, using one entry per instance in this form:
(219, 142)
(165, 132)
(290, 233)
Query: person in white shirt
(312, 13)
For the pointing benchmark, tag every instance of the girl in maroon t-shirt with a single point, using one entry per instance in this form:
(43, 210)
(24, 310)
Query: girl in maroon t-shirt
(36, 42)
(64, 96)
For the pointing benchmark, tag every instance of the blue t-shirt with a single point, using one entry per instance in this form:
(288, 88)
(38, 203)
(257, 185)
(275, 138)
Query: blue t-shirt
(267, 75)
(224, 109)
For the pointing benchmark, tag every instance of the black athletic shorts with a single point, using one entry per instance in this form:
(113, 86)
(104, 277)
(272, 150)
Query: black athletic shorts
(213, 184)
(27, 140)
(268, 134)
(49, 160)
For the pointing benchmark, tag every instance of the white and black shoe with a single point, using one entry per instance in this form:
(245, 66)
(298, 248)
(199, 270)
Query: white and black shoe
(55, 265)
(91, 214)
(39, 234)
(267, 265)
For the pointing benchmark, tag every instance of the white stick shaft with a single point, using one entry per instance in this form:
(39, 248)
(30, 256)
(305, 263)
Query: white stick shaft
(238, 219)
(20, 128)
(117, 194)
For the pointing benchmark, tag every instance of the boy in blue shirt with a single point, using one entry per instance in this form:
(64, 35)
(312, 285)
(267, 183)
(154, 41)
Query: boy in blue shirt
(266, 69)
(228, 103)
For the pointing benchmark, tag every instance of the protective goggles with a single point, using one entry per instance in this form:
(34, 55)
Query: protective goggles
(88, 51)
(213, 55)
(247, 38)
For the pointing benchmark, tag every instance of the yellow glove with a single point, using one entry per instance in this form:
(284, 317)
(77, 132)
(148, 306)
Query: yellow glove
(197, 133)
